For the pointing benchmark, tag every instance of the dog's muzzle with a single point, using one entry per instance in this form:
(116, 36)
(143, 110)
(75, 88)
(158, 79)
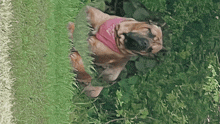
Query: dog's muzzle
(137, 42)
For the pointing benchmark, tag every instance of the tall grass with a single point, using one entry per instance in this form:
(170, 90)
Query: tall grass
(60, 90)
(40, 56)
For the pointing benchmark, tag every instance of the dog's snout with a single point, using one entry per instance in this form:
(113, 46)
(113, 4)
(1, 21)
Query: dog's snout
(135, 41)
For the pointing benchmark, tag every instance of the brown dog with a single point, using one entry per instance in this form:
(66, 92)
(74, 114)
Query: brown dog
(113, 41)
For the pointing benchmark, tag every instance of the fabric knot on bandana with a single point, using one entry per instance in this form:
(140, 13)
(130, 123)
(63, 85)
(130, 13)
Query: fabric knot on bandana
(106, 33)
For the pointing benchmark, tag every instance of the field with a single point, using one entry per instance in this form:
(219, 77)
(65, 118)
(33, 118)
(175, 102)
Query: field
(37, 85)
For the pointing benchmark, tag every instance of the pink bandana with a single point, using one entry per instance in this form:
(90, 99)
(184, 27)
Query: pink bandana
(106, 33)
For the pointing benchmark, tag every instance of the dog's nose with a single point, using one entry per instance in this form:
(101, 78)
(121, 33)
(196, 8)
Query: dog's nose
(135, 41)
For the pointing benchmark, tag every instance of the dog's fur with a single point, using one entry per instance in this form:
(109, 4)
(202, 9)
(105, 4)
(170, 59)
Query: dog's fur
(132, 38)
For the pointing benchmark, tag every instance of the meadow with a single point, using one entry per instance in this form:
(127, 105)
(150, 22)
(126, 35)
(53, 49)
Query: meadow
(182, 86)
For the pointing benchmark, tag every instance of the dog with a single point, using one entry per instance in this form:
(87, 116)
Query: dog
(114, 41)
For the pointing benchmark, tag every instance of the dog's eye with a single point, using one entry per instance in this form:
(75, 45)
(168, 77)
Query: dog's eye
(150, 35)
(149, 50)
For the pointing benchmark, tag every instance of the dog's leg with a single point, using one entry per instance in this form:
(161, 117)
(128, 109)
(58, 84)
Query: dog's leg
(112, 72)
(76, 59)
(84, 77)
(112, 62)
(78, 66)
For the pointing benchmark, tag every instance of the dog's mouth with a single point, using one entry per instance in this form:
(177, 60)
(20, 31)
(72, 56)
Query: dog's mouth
(136, 42)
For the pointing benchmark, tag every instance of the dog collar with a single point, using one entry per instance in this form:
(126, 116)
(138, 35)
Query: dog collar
(106, 33)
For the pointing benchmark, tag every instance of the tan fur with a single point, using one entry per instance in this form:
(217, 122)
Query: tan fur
(112, 62)
(142, 28)
(77, 64)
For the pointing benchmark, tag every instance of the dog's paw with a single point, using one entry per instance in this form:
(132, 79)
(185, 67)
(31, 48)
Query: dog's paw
(75, 57)
(110, 74)
(92, 91)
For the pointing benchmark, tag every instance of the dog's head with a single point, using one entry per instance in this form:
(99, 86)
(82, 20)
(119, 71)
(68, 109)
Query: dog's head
(134, 37)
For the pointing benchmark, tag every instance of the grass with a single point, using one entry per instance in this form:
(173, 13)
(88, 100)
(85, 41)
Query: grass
(29, 63)
(183, 88)
(43, 88)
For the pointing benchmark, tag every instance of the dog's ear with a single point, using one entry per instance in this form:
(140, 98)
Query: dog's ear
(156, 31)
(156, 48)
